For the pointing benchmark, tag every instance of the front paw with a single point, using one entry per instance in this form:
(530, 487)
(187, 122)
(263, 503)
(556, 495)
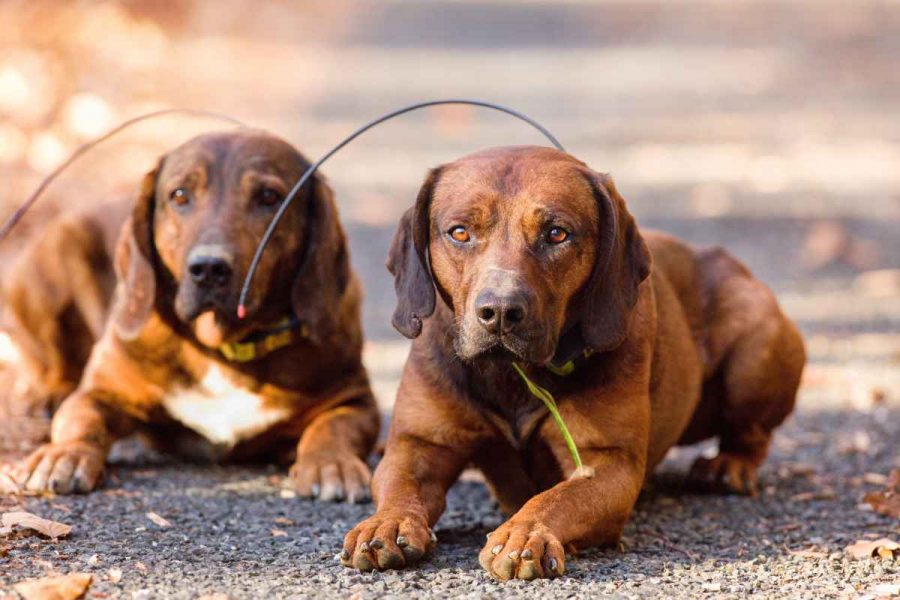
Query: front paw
(332, 476)
(522, 550)
(387, 541)
(63, 468)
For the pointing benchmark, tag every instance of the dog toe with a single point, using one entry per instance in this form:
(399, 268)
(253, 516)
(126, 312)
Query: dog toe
(522, 551)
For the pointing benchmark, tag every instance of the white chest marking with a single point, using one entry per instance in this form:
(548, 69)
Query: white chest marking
(220, 411)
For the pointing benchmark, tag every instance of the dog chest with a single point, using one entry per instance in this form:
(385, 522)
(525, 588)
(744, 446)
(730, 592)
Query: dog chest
(221, 411)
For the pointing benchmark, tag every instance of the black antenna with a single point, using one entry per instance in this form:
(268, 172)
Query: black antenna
(25, 206)
(242, 309)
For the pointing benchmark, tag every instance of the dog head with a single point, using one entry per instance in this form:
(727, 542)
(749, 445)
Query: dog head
(525, 245)
(195, 226)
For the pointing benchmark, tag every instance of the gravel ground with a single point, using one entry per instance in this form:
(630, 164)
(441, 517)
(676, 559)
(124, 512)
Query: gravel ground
(237, 531)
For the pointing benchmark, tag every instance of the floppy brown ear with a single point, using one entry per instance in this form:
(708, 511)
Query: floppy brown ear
(325, 268)
(623, 262)
(408, 263)
(134, 263)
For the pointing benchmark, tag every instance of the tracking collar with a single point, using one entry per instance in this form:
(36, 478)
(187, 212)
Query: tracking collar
(262, 343)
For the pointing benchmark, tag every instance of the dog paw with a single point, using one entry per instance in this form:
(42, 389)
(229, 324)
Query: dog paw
(73, 467)
(387, 541)
(522, 550)
(332, 477)
(726, 472)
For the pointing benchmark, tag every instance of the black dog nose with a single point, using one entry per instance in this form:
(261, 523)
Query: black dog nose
(209, 271)
(500, 313)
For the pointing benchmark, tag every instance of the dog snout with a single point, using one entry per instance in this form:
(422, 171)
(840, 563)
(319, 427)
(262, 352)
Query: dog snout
(208, 271)
(210, 266)
(500, 312)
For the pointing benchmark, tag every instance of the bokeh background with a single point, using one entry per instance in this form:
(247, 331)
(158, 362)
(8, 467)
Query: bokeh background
(769, 127)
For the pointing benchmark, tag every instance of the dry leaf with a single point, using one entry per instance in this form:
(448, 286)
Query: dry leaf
(883, 548)
(823, 494)
(115, 575)
(809, 554)
(51, 529)
(63, 587)
(8, 485)
(887, 589)
(283, 521)
(887, 501)
(162, 522)
(279, 533)
(140, 567)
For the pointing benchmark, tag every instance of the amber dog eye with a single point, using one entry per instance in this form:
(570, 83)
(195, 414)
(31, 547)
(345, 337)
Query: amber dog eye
(180, 196)
(557, 235)
(268, 196)
(459, 234)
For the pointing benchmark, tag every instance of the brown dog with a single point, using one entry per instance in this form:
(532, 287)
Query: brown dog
(175, 359)
(536, 260)
(56, 299)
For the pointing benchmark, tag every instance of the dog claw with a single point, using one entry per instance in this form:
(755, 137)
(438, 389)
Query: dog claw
(496, 549)
(376, 544)
(514, 555)
(433, 536)
(402, 541)
(344, 555)
(553, 565)
(364, 547)
(527, 554)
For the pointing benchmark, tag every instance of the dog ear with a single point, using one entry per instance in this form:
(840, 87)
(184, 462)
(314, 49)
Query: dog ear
(135, 258)
(623, 262)
(325, 268)
(408, 263)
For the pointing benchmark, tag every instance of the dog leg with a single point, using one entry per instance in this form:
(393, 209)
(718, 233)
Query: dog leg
(332, 451)
(583, 510)
(82, 432)
(761, 376)
(410, 488)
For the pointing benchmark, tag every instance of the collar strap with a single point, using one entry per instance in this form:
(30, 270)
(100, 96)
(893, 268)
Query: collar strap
(262, 343)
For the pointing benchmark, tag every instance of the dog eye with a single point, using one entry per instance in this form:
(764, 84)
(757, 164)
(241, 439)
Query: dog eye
(459, 234)
(267, 196)
(180, 196)
(557, 235)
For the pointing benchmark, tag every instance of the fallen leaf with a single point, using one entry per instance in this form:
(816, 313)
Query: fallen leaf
(8, 485)
(886, 501)
(887, 589)
(115, 575)
(140, 567)
(279, 533)
(809, 553)
(51, 529)
(94, 560)
(283, 521)
(875, 478)
(161, 521)
(883, 547)
(824, 494)
(62, 587)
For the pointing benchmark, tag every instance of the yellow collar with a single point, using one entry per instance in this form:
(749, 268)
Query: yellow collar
(567, 368)
(262, 343)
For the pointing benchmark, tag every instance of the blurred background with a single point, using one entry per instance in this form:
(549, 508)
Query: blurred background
(769, 127)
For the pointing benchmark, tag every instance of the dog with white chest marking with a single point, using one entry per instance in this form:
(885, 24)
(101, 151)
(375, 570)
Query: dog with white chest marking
(174, 360)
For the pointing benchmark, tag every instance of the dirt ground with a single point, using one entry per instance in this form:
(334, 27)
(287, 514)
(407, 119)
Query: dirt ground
(767, 127)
